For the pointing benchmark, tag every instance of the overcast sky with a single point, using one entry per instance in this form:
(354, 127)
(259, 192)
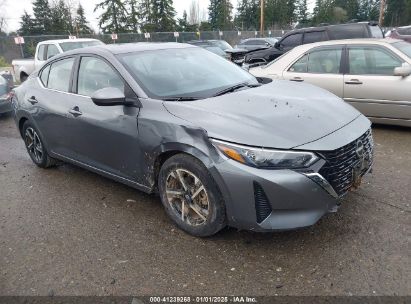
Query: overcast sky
(15, 8)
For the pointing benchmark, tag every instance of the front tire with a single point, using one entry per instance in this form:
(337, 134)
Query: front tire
(35, 146)
(190, 196)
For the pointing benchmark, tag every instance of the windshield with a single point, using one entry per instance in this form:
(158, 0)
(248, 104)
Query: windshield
(404, 47)
(215, 50)
(183, 72)
(71, 45)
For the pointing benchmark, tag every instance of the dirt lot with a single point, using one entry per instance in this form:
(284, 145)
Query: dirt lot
(66, 231)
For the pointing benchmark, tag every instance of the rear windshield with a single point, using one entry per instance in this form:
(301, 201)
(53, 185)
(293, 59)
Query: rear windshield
(404, 31)
(68, 46)
(404, 47)
(376, 32)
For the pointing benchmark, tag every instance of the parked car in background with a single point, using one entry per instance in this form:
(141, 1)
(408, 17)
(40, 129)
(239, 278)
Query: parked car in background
(218, 146)
(45, 50)
(314, 34)
(218, 47)
(252, 44)
(5, 89)
(403, 33)
(373, 75)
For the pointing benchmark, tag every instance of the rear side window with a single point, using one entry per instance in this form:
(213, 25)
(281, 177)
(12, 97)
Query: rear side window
(311, 37)
(60, 75)
(348, 31)
(404, 31)
(251, 42)
(40, 52)
(326, 61)
(292, 40)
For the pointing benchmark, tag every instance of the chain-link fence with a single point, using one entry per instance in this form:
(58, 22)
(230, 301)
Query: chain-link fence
(9, 50)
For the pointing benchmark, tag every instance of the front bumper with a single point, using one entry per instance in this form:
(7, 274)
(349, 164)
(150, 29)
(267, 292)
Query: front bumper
(267, 200)
(295, 200)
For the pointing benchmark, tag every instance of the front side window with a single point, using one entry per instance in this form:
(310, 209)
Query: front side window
(95, 74)
(372, 61)
(40, 52)
(60, 74)
(183, 72)
(52, 50)
(325, 61)
(292, 40)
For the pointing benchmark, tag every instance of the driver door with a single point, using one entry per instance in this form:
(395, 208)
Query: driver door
(103, 137)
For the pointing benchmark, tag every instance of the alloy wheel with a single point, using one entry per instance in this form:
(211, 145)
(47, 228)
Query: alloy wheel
(187, 197)
(33, 144)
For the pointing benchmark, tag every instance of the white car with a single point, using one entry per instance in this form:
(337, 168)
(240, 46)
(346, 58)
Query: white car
(373, 75)
(22, 68)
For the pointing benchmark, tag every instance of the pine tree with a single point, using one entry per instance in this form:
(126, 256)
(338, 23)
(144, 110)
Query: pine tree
(146, 15)
(81, 23)
(114, 16)
(133, 16)
(220, 14)
(60, 17)
(163, 15)
(42, 12)
(26, 25)
(302, 10)
(182, 23)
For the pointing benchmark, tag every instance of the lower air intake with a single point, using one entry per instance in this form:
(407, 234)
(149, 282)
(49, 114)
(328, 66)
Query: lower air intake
(262, 205)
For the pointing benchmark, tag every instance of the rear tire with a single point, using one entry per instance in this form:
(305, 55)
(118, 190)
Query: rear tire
(190, 196)
(23, 77)
(35, 146)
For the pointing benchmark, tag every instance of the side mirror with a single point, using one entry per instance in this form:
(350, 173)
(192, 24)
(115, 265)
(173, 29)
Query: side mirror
(277, 45)
(109, 97)
(403, 71)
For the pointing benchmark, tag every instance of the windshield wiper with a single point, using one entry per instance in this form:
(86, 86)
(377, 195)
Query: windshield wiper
(181, 99)
(236, 87)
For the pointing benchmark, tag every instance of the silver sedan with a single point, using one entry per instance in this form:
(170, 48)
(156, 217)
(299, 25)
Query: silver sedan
(373, 75)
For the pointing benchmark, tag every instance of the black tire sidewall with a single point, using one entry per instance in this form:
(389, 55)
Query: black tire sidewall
(217, 218)
(44, 159)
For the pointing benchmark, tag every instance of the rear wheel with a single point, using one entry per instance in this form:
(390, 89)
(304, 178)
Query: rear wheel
(190, 196)
(23, 77)
(35, 146)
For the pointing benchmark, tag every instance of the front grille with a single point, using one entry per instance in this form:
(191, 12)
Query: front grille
(340, 163)
(262, 205)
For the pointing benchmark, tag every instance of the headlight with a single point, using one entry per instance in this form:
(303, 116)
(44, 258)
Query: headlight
(266, 158)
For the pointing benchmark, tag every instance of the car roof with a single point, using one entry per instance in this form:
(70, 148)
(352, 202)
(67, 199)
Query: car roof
(349, 41)
(131, 47)
(67, 40)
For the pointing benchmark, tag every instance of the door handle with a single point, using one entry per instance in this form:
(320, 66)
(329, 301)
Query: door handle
(75, 111)
(353, 81)
(32, 100)
(298, 79)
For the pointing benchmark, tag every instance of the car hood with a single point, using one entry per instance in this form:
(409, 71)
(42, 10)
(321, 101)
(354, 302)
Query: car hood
(281, 114)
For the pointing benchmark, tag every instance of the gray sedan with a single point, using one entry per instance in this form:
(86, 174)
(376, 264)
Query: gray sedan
(5, 104)
(220, 147)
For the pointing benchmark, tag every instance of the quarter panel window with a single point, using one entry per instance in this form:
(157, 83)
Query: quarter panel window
(60, 74)
(44, 77)
(300, 66)
(372, 61)
(96, 74)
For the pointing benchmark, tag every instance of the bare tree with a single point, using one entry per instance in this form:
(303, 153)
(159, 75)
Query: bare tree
(3, 22)
(194, 13)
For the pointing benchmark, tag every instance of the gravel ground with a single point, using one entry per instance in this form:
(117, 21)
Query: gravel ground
(66, 231)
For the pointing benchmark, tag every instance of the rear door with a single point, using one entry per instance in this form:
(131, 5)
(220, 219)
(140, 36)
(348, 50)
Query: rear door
(370, 84)
(321, 67)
